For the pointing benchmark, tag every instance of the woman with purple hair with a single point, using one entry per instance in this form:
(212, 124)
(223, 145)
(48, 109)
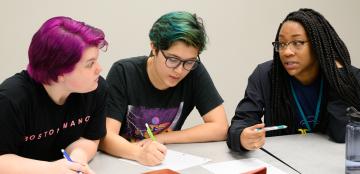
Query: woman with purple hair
(57, 103)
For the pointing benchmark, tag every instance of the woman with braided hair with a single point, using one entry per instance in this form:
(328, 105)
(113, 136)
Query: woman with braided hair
(307, 86)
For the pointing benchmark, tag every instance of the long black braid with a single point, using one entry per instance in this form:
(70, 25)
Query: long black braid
(327, 47)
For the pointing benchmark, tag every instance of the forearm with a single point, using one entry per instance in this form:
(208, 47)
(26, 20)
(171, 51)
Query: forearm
(118, 146)
(82, 150)
(200, 133)
(9, 164)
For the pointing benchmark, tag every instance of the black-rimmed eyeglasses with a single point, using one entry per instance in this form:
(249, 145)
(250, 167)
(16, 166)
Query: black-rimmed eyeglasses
(294, 45)
(174, 62)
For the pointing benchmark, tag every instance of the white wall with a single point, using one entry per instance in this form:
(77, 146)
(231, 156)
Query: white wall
(240, 32)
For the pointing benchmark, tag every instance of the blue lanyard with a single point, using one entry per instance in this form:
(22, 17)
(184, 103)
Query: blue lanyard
(317, 105)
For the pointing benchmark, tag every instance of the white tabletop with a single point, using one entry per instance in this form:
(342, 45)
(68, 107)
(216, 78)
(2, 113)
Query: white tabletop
(310, 153)
(216, 151)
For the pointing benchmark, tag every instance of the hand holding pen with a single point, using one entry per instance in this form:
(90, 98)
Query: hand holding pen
(150, 152)
(253, 137)
(67, 157)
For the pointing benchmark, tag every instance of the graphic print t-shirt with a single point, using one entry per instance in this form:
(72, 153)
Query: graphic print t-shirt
(158, 119)
(134, 101)
(33, 126)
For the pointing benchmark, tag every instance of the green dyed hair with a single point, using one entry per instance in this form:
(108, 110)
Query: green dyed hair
(178, 26)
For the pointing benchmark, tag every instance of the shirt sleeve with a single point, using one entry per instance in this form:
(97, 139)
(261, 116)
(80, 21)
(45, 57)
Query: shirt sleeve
(10, 127)
(336, 110)
(206, 96)
(117, 101)
(96, 128)
(248, 112)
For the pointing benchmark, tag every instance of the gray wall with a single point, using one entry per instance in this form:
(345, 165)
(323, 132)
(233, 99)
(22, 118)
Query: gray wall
(240, 32)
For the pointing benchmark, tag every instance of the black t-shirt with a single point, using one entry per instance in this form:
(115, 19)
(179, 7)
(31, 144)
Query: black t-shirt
(33, 126)
(134, 101)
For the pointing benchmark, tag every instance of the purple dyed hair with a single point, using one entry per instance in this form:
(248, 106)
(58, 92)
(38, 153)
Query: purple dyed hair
(58, 45)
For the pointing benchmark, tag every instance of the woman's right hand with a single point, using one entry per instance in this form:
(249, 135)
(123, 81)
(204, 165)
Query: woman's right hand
(251, 138)
(151, 153)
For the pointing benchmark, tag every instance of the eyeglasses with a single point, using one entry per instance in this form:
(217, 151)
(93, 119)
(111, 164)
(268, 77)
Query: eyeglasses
(174, 62)
(294, 45)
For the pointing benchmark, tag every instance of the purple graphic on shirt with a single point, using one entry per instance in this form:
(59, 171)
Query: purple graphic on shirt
(159, 120)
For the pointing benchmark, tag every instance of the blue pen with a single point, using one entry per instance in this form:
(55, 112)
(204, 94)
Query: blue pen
(272, 128)
(67, 157)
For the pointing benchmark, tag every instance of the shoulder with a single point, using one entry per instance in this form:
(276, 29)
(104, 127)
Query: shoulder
(263, 70)
(19, 91)
(16, 80)
(199, 70)
(19, 85)
(130, 62)
(355, 71)
(127, 66)
(127, 69)
(265, 66)
(198, 75)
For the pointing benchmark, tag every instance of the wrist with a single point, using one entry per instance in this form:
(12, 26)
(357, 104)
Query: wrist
(136, 153)
(79, 156)
(160, 139)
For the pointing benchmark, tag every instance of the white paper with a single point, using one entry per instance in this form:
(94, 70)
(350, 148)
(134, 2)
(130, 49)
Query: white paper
(241, 166)
(175, 161)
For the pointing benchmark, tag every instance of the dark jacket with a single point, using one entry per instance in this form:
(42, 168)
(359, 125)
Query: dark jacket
(256, 104)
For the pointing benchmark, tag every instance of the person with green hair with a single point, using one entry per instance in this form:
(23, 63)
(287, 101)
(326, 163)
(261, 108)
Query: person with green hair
(161, 90)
